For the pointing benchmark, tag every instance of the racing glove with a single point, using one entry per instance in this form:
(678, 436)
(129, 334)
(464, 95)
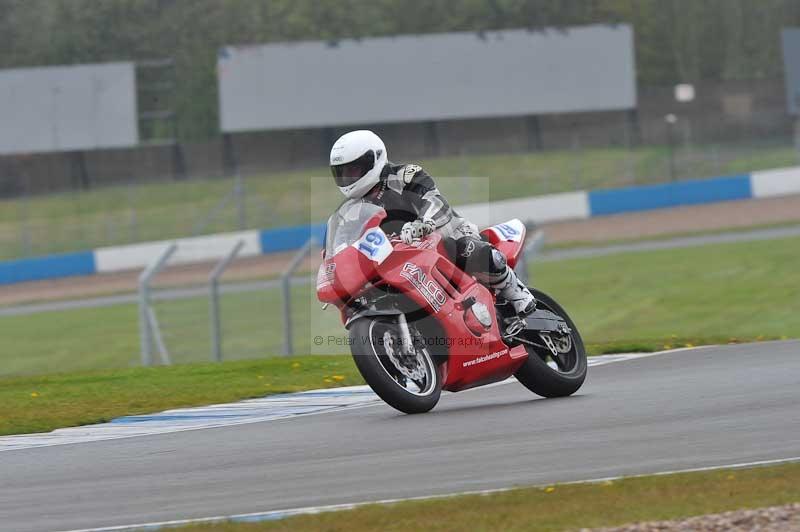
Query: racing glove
(416, 230)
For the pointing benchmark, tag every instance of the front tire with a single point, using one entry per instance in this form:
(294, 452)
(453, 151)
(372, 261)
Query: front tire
(413, 387)
(570, 371)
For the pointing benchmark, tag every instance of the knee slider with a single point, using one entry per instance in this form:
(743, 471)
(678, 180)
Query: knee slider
(468, 253)
(478, 256)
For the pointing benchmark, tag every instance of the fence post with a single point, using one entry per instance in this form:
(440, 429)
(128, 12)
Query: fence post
(213, 286)
(532, 246)
(286, 278)
(145, 320)
(155, 330)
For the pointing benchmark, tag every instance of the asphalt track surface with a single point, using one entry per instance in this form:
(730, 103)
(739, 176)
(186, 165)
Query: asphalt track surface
(771, 233)
(688, 409)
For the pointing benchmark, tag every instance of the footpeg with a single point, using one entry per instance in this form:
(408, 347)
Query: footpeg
(513, 327)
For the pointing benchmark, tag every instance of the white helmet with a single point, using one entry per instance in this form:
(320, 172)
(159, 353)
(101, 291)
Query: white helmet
(357, 160)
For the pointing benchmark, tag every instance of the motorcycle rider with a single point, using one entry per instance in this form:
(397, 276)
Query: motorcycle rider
(415, 208)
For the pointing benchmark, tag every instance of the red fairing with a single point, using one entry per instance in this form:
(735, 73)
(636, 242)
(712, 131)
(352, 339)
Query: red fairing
(341, 278)
(344, 276)
(435, 283)
(476, 353)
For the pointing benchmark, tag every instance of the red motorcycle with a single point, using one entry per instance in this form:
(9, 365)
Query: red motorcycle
(419, 325)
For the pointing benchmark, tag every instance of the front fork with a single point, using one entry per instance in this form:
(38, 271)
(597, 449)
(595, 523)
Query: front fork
(406, 333)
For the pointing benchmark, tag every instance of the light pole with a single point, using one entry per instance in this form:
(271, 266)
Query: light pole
(671, 119)
(684, 94)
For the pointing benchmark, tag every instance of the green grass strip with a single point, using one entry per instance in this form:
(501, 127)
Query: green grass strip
(559, 507)
(641, 301)
(41, 404)
(645, 301)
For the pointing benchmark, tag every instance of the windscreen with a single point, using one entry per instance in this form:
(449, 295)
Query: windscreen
(346, 225)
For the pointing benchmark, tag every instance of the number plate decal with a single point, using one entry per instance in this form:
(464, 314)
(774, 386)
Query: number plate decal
(510, 231)
(374, 245)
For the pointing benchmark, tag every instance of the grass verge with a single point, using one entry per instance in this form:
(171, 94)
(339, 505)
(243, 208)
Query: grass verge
(705, 295)
(40, 404)
(560, 507)
(641, 301)
(629, 302)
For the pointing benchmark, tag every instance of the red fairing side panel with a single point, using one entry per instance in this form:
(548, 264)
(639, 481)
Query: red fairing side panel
(486, 360)
(423, 277)
(343, 276)
(508, 237)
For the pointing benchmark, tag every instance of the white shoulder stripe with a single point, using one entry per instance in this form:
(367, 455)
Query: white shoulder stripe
(436, 210)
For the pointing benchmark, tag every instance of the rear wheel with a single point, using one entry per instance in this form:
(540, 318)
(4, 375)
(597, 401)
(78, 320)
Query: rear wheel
(406, 378)
(551, 374)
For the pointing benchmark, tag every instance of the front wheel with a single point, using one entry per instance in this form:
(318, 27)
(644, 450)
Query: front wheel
(406, 378)
(551, 375)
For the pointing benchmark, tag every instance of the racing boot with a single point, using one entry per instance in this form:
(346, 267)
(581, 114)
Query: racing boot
(509, 287)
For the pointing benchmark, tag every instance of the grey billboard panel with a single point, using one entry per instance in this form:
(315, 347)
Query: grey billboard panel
(426, 77)
(66, 108)
(791, 65)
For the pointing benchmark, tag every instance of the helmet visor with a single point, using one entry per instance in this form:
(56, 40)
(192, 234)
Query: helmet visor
(348, 173)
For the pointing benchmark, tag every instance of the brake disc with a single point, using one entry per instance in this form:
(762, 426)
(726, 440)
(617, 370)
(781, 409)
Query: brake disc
(409, 365)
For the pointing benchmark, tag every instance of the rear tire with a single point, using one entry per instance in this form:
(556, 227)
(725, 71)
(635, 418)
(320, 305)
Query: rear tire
(539, 377)
(373, 362)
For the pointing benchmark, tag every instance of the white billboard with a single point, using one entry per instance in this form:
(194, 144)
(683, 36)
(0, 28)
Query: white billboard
(426, 77)
(66, 108)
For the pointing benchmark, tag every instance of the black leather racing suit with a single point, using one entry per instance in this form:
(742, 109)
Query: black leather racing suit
(408, 193)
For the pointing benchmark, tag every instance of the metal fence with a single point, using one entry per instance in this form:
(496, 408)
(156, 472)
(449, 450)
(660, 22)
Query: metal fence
(182, 314)
(247, 319)
(226, 320)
